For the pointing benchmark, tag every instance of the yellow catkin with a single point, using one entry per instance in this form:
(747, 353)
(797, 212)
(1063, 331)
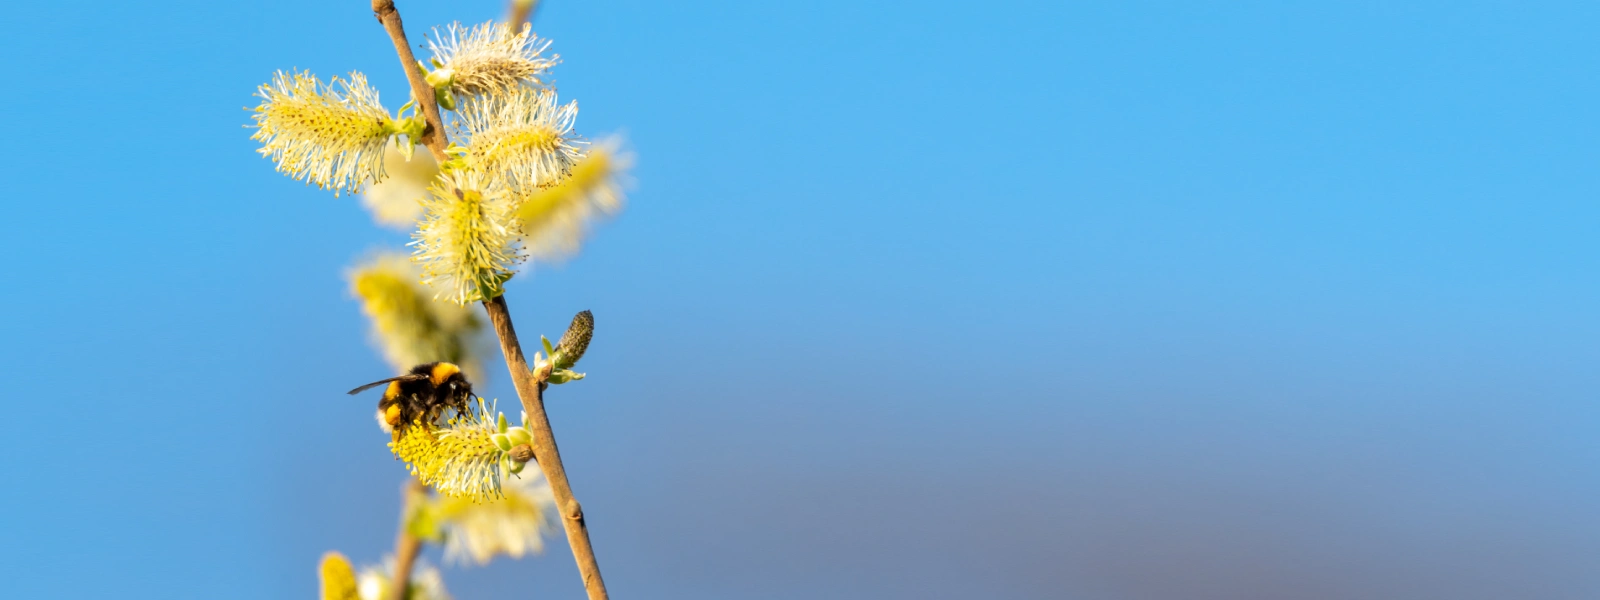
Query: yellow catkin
(513, 526)
(396, 202)
(522, 138)
(320, 134)
(467, 243)
(490, 58)
(555, 218)
(409, 326)
(459, 460)
(338, 578)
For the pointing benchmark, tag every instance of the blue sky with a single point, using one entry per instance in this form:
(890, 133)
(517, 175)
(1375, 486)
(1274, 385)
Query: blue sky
(912, 300)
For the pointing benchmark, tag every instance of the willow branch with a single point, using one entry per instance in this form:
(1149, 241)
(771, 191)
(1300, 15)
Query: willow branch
(530, 389)
(433, 136)
(406, 545)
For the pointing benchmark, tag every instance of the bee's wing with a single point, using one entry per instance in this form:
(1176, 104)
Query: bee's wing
(383, 381)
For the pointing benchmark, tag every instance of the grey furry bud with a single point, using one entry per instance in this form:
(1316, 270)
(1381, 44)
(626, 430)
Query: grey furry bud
(575, 341)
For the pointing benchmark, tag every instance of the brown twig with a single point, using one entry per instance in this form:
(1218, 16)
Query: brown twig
(522, 453)
(433, 137)
(521, 12)
(530, 388)
(529, 385)
(406, 545)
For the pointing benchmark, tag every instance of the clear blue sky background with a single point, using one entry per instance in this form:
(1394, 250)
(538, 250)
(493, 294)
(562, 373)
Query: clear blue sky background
(1130, 300)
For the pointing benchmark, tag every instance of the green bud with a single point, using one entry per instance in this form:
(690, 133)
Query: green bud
(501, 442)
(440, 79)
(412, 127)
(519, 436)
(564, 375)
(445, 99)
(500, 423)
(515, 467)
(493, 287)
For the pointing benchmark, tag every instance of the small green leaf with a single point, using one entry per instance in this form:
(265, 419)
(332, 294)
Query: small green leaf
(560, 376)
(519, 436)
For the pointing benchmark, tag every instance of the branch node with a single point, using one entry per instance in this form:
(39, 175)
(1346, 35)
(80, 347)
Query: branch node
(573, 511)
(522, 453)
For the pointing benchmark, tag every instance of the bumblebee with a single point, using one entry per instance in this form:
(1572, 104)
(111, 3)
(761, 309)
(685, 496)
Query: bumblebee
(422, 394)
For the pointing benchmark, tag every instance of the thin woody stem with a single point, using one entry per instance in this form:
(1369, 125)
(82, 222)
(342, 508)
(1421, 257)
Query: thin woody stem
(433, 136)
(530, 389)
(406, 545)
(530, 386)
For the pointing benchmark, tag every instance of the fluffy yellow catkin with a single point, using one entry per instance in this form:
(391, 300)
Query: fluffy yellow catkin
(468, 240)
(556, 218)
(490, 58)
(338, 578)
(522, 139)
(329, 135)
(460, 459)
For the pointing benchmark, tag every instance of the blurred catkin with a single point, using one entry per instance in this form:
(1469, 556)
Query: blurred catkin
(338, 578)
(396, 202)
(408, 325)
(556, 218)
(425, 582)
(513, 525)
